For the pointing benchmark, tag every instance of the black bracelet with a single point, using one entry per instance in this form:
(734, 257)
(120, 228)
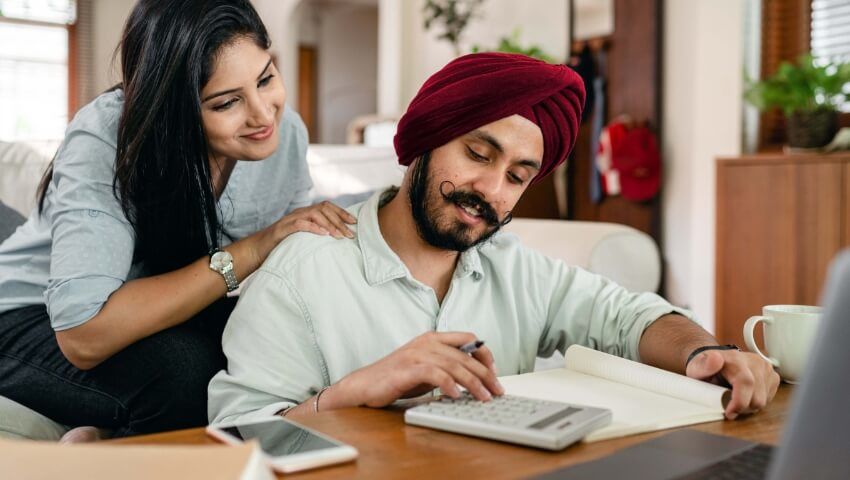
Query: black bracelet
(709, 347)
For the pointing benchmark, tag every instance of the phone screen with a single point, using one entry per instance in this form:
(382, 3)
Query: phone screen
(279, 438)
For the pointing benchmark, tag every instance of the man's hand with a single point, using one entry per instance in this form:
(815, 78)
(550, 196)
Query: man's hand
(753, 380)
(428, 361)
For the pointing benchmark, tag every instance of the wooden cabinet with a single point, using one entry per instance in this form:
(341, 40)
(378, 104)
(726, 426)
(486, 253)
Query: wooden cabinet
(780, 221)
(845, 219)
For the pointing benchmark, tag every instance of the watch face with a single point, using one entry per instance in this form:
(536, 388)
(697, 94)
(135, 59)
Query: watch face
(220, 260)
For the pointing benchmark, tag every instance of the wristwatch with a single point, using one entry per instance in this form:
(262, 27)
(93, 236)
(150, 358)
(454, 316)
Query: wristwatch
(222, 262)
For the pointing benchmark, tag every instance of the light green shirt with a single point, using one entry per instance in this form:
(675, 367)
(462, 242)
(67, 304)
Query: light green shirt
(320, 308)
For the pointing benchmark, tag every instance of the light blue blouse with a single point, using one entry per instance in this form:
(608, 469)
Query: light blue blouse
(80, 250)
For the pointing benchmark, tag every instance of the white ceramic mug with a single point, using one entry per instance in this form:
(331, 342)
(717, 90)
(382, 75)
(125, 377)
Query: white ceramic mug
(789, 331)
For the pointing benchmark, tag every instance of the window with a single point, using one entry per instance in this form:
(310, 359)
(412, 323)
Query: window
(831, 30)
(790, 28)
(830, 33)
(34, 64)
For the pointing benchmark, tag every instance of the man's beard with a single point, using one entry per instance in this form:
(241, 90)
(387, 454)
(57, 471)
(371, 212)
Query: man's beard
(426, 205)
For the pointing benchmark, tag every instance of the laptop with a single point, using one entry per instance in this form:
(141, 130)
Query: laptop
(815, 442)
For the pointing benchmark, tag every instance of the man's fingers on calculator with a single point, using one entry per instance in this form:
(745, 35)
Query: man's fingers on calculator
(463, 375)
(484, 372)
(438, 377)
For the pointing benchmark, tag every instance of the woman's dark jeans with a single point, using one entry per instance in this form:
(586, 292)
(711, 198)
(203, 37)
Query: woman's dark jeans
(159, 383)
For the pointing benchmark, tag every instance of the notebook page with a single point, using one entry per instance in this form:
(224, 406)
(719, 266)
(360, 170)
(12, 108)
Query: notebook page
(619, 370)
(634, 410)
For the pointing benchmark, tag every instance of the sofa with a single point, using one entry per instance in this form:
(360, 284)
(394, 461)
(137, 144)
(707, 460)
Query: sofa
(347, 174)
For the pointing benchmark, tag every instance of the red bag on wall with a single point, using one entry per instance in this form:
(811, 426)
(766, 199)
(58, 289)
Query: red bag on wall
(629, 161)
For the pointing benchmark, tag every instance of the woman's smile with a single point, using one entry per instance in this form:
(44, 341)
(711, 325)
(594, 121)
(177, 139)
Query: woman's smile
(261, 135)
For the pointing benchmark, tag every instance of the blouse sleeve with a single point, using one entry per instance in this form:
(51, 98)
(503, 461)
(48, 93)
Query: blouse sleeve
(92, 249)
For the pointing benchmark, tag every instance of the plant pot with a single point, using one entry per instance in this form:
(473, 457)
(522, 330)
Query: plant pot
(811, 129)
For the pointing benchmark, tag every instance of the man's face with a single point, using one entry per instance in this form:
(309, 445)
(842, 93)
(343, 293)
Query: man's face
(462, 192)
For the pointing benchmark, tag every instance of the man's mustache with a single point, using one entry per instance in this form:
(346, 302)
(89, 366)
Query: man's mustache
(461, 198)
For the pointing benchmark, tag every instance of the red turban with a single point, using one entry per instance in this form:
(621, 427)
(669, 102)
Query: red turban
(480, 88)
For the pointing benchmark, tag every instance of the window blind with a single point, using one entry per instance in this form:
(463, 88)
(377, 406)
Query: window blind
(785, 36)
(831, 33)
(831, 30)
(84, 53)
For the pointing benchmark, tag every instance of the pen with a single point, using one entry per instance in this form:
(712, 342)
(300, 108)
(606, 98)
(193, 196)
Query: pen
(471, 347)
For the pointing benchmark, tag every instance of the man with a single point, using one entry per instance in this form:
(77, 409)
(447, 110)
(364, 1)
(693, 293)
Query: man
(329, 324)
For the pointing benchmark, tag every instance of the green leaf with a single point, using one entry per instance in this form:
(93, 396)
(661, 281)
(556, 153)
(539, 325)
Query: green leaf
(804, 86)
(452, 15)
(511, 44)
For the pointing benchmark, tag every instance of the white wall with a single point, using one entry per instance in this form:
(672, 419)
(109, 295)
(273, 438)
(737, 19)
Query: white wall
(390, 54)
(282, 27)
(348, 67)
(108, 23)
(542, 22)
(345, 36)
(594, 18)
(702, 109)
(307, 18)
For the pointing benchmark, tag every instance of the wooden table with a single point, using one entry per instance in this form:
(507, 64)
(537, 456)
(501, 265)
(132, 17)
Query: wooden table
(390, 449)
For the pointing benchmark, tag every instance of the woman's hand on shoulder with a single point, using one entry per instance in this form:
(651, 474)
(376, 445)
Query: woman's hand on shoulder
(324, 218)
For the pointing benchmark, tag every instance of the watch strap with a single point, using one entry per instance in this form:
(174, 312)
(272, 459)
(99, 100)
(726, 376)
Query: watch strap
(230, 278)
(709, 347)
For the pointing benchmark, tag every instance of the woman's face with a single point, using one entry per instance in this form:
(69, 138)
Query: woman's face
(242, 103)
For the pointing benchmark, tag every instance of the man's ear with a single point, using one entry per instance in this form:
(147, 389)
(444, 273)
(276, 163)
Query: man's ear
(408, 177)
(410, 169)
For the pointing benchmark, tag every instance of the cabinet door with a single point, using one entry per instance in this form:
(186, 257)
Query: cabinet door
(778, 227)
(845, 207)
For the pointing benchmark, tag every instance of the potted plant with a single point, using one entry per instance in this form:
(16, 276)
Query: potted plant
(454, 15)
(511, 44)
(809, 94)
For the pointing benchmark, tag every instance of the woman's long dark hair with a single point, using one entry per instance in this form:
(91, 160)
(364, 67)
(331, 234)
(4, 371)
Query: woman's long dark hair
(162, 172)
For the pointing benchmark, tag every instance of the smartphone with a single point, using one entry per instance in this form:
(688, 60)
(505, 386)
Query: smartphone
(288, 446)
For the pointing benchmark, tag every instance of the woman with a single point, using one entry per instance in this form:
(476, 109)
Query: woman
(166, 193)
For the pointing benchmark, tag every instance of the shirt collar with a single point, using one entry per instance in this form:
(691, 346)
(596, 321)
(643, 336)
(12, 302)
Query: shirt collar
(382, 264)
(470, 264)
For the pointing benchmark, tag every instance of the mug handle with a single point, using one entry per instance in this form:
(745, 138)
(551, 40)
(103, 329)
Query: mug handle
(749, 327)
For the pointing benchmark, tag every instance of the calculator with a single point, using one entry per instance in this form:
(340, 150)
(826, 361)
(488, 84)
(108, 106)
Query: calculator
(525, 421)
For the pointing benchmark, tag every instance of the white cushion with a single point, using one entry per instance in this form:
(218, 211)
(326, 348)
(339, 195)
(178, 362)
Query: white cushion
(619, 252)
(350, 169)
(22, 168)
(18, 421)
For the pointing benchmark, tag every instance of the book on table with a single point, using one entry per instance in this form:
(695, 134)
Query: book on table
(642, 398)
(25, 459)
